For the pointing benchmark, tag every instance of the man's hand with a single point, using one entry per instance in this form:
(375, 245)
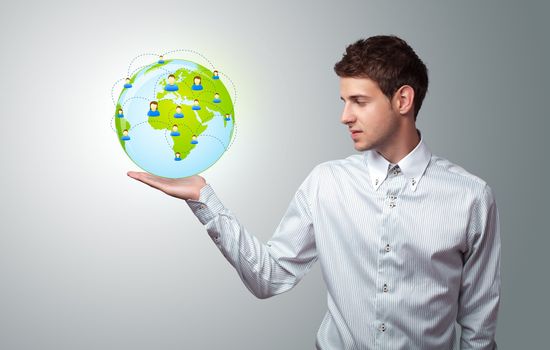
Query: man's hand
(184, 188)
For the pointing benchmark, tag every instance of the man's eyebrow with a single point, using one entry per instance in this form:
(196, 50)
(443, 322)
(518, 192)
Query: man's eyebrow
(355, 97)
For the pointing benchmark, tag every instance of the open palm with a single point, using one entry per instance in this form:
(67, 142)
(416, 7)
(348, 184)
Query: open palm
(184, 188)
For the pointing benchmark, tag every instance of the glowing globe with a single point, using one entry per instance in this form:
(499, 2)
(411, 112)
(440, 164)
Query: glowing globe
(174, 118)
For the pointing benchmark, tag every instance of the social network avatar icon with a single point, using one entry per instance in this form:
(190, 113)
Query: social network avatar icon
(171, 86)
(194, 140)
(161, 59)
(216, 98)
(125, 136)
(196, 83)
(153, 109)
(177, 157)
(127, 85)
(120, 114)
(178, 113)
(227, 117)
(196, 106)
(215, 75)
(175, 131)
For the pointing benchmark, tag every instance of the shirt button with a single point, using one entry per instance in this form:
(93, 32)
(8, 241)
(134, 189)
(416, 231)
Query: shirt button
(382, 327)
(202, 206)
(387, 248)
(385, 289)
(392, 205)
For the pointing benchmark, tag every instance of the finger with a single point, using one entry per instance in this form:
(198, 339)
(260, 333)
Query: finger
(134, 174)
(142, 176)
(146, 178)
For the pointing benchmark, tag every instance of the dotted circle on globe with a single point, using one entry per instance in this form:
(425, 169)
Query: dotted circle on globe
(174, 118)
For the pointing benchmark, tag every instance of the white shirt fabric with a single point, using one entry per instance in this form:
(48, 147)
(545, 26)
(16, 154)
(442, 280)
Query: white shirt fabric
(406, 250)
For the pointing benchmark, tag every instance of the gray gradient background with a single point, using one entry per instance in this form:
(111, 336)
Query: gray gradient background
(91, 259)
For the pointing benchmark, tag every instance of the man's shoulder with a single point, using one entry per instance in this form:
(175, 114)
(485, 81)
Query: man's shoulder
(352, 160)
(459, 176)
(338, 168)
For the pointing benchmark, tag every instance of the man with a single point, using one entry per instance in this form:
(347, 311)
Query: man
(171, 85)
(408, 242)
(196, 105)
(175, 131)
(178, 113)
(125, 136)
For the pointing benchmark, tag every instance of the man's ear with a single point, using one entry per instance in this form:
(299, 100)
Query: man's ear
(404, 99)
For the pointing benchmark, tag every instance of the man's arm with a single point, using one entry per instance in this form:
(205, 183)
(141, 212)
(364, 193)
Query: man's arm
(480, 290)
(266, 269)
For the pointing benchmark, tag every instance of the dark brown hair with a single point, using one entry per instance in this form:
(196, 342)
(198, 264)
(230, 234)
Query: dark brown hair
(390, 62)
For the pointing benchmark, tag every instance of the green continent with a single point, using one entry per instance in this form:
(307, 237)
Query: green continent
(194, 122)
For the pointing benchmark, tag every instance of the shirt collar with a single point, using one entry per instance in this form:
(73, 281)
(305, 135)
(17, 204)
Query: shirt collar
(412, 165)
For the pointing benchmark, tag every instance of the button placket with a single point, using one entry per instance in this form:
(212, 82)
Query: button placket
(393, 187)
(392, 199)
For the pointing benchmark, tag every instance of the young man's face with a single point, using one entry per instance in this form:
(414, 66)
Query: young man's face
(368, 111)
(171, 80)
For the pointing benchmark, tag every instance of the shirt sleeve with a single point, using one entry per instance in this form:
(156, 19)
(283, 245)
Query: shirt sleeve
(266, 269)
(480, 289)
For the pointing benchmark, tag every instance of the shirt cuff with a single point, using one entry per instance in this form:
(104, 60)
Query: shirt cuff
(207, 206)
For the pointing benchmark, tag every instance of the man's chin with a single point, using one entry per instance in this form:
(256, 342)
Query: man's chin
(361, 147)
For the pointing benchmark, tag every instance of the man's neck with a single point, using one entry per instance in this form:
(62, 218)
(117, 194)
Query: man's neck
(396, 151)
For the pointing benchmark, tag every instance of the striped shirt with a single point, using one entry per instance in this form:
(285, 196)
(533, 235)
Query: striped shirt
(406, 250)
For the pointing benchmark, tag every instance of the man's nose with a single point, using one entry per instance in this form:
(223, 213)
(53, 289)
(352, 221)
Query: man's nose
(347, 115)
